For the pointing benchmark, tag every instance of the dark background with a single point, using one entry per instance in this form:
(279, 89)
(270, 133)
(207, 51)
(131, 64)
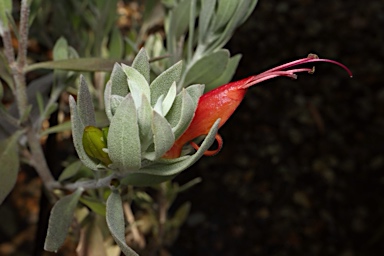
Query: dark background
(301, 171)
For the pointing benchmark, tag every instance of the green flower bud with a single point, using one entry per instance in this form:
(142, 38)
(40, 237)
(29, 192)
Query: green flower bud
(94, 141)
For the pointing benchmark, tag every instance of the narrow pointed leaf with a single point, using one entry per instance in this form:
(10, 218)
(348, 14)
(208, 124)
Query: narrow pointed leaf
(60, 220)
(141, 63)
(95, 205)
(224, 13)
(163, 137)
(180, 18)
(119, 81)
(9, 162)
(81, 64)
(85, 104)
(207, 9)
(57, 128)
(115, 222)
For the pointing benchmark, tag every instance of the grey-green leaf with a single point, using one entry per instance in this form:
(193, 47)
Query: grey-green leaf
(115, 101)
(107, 99)
(227, 74)
(141, 64)
(123, 137)
(177, 167)
(144, 116)
(85, 104)
(77, 135)
(95, 205)
(80, 64)
(119, 81)
(181, 114)
(9, 162)
(161, 172)
(208, 68)
(207, 9)
(244, 9)
(195, 91)
(163, 137)
(179, 18)
(137, 84)
(162, 83)
(60, 220)
(71, 170)
(224, 13)
(115, 222)
(169, 99)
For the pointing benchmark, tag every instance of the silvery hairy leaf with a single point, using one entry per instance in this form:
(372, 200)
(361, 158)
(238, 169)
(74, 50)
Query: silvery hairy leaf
(123, 137)
(163, 136)
(141, 64)
(181, 113)
(85, 104)
(60, 220)
(162, 83)
(115, 222)
(77, 135)
(137, 84)
(119, 83)
(166, 169)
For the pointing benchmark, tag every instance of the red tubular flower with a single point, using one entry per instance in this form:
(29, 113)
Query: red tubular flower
(223, 101)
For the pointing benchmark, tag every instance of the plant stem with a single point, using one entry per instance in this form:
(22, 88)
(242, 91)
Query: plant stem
(38, 160)
(18, 67)
(23, 41)
(90, 184)
(36, 156)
